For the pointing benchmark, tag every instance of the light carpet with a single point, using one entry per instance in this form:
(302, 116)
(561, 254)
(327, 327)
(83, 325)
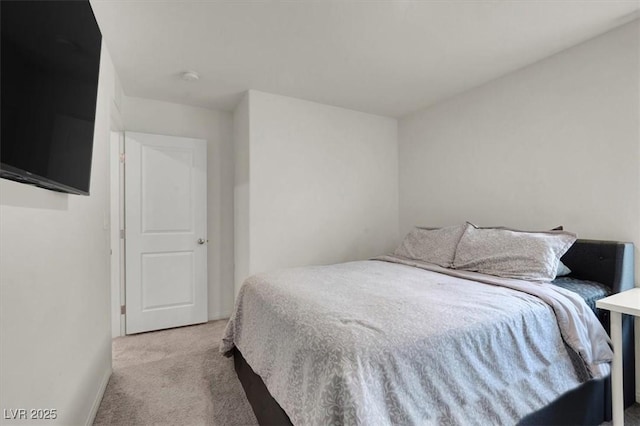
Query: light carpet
(178, 377)
(174, 377)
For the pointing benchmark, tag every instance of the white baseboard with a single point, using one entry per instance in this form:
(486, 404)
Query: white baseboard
(98, 398)
(638, 396)
(219, 315)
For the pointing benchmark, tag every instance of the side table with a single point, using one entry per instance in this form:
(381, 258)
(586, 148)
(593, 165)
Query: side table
(626, 302)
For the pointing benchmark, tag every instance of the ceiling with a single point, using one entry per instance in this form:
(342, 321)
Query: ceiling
(383, 57)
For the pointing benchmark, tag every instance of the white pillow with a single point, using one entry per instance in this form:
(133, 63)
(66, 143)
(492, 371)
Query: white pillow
(563, 270)
(531, 256)
(432, 245)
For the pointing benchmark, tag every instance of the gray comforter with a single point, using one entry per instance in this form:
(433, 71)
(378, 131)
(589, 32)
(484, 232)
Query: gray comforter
(395, 342)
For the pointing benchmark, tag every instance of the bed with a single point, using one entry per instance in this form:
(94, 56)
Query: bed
(458, 383)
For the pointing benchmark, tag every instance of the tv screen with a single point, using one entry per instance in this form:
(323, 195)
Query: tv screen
(50, 59)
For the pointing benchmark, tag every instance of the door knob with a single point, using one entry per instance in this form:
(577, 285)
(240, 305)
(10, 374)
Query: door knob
(201, 241)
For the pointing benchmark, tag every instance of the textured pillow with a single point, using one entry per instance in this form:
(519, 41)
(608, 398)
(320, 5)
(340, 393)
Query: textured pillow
(531, 256)
(431, 245)
(557, 228)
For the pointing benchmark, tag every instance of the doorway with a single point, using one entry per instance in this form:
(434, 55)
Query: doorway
(160, 212)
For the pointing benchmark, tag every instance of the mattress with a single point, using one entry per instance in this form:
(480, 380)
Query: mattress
(380, 342)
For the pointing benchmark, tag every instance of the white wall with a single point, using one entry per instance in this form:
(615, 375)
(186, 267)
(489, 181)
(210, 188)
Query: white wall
(241, 190)
(55, 331)
(555, 143)
(151, 116)
(322, 183)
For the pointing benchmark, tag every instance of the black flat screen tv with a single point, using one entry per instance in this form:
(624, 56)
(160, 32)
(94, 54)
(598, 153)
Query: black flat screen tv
(50, 60)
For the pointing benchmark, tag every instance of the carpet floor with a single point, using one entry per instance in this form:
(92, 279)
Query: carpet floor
(174, 377)
(178, 377)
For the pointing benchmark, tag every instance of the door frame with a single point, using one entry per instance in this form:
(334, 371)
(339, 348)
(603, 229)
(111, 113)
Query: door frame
(116, 233)
(117, 230)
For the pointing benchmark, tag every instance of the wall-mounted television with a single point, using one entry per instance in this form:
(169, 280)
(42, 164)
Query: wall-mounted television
(50, 60)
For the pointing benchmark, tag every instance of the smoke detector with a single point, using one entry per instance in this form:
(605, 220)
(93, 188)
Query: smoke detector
(190, 76)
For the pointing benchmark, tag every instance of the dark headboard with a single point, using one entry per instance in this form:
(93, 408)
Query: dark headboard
(607, 262)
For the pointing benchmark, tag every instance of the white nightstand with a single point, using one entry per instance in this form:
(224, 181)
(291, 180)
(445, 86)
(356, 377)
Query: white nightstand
(627, 302)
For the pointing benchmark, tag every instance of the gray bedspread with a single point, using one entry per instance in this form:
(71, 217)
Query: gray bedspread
(390, 342)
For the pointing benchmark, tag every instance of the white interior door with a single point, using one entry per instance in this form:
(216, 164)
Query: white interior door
(165, 231)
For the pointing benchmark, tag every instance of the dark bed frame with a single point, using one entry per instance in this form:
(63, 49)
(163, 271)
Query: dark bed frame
(607, 262)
